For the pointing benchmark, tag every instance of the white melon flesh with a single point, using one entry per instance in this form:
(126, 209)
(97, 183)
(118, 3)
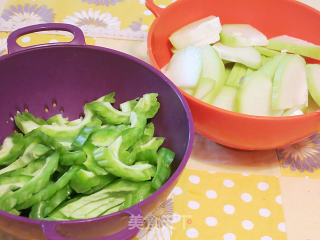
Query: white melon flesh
(295, 45)
(226, 98)
(254, 95)
(313, 76)
(185, 66)
(246, 55)
(242, 35)
(201, 32)
(212, 68)
(290, 87)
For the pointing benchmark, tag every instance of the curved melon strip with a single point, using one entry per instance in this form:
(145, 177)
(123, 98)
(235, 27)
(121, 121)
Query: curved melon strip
(226, 98)
(201, 32)
(271, 66)
(295, 45)
(214, 69)
(185, 67)
(238, 71)
(205, 85)
(267, 52)
(290, 87)
(246, 55)
(254, 95)
(242, 35)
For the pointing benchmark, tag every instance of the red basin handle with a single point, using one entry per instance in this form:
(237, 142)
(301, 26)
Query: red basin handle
(77, 33)
(153, 8)
(49, 227)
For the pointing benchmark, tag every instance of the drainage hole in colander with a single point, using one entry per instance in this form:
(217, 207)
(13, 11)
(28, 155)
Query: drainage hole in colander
(26, 108)
(54, 103)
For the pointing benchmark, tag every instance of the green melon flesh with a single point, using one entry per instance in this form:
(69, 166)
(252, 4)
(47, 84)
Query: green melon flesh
(212, 68)
(238, 71)
(248, 56)
(242, 35)
(295, 45)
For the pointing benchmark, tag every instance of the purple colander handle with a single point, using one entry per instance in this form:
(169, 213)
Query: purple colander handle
(77, 33)
(49, 228)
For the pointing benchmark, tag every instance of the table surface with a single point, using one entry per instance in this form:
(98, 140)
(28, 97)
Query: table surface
(224, 193)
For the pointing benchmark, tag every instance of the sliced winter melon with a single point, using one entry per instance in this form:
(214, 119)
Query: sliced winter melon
(238, 71)
(271, 66)
(242, 35)
(225, 99)
(254, 95)
(205, 85)
(295, 45)
(267, 52)
(201, 32)
(290, 87)
(212, 68)
(185, 66)
(246, 55)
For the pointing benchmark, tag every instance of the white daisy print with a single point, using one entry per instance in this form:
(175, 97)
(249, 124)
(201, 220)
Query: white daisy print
(93, 21)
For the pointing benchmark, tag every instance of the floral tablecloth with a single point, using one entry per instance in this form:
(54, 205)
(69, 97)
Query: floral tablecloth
(224, 194)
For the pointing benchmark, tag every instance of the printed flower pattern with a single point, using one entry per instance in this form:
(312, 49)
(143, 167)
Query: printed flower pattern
(3, 46)
(103, 2)
(136, 25)
(93, 21)
(302, 156)
(159, 225)
(24, 15)
(93, 18)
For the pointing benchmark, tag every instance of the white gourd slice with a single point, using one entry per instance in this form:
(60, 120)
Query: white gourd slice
(226, 98)
(184, 67)
(201, 32)
(295, 45)
(290, 87)
(248, 56)
(254, 95)
(214, 69)
(242, 35)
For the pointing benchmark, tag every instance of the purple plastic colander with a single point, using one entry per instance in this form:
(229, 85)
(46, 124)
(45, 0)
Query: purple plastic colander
(60, 78)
